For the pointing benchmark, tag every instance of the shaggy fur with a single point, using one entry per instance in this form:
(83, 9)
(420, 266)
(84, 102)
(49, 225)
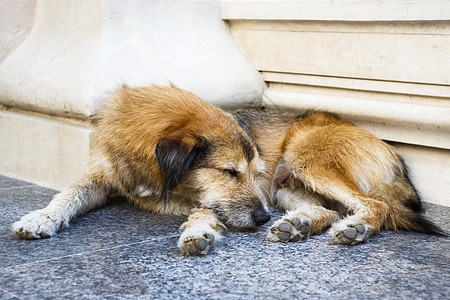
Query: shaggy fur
(326, 172)
(169, 152)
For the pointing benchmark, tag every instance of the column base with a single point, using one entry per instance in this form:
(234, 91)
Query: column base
(49, 151)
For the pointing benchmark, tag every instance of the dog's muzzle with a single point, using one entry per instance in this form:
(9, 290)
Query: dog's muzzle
(260, 216)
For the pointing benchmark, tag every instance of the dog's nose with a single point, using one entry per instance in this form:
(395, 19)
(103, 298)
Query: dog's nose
(261, 216)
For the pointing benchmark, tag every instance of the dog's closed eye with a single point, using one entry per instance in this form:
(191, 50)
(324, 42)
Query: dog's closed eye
(232, 173)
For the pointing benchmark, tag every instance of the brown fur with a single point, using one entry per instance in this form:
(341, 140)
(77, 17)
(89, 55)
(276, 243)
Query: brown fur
(322, 166)
(167, 151)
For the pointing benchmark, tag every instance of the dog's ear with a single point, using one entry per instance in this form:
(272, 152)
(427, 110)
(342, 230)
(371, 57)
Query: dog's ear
(176, 153)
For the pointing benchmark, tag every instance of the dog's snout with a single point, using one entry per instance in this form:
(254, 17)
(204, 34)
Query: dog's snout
(261, 216)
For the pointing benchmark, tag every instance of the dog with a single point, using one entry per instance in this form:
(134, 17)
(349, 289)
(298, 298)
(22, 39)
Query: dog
(168, 152)
(326, 172)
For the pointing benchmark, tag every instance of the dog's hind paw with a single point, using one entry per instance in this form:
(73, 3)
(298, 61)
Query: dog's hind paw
(289, 230)
(350, 233)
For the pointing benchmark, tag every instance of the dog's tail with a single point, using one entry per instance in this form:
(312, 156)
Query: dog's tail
(404, 218)
(417, 222)
(405, 207)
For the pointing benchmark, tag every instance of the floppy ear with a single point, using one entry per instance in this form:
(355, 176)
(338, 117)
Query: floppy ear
(176, 153)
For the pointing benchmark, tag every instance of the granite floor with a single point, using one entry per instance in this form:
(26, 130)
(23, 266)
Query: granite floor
(119, 252)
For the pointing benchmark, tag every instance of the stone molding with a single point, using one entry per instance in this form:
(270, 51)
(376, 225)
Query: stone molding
(388, 72)
(336, 10)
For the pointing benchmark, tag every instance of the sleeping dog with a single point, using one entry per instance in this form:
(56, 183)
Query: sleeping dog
(169, 152)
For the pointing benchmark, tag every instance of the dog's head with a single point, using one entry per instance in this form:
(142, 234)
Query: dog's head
(219, 167)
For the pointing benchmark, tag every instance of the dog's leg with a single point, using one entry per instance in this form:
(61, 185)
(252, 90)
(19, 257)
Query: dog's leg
(201, 231)
(367, 215)
(298, 224)
(82, 197)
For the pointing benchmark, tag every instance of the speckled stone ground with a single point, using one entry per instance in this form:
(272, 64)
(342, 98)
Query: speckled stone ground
(119, 252)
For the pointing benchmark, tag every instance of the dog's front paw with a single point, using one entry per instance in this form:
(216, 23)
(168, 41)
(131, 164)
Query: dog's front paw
(197, 240)
(35, 225)
(197, 245)
(350, 232)
(289, 230)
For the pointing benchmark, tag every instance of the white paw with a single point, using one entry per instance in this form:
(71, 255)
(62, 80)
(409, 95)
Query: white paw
(197, 240)
(347, 232)
(37, 224)
(289, 230)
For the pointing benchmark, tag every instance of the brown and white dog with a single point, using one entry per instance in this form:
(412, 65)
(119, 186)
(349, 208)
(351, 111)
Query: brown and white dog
(170, 152)
(326, 172)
